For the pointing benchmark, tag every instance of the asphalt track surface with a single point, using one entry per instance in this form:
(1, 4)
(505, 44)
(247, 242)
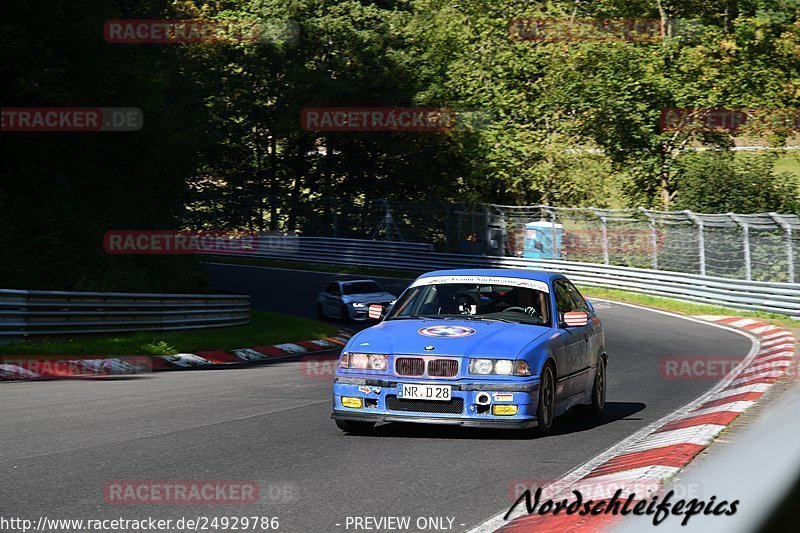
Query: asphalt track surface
(62, 441)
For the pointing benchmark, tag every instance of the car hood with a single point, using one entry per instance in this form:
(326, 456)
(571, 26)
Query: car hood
(480, 339)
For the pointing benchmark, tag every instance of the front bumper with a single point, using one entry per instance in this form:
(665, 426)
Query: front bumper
(357, 314)
(417, 419)
(381, 403)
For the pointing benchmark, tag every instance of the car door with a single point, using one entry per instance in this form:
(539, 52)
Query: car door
(586, 350)
(573, 340)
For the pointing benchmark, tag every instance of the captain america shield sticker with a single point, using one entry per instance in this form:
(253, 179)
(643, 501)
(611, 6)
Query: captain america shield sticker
(447, 331)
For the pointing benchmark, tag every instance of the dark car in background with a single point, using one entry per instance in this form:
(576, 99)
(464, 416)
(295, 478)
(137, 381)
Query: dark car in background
(350, 300)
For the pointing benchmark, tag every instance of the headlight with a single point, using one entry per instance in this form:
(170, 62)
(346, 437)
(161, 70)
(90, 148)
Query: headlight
(359, 360)
(503, 366)
(377, 362)
(364, 361)
(480, 366)
(500, 367)
(358, 304)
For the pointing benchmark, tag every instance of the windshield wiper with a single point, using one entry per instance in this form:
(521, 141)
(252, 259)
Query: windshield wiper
(454, 317)
(477, 317)
(417, 317)
(505, 320)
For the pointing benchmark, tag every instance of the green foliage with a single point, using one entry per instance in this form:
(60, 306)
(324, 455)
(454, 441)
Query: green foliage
(567, 123)
(718, 182)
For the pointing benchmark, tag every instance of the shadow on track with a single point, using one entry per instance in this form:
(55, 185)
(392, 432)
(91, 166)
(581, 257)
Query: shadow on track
(571, 422)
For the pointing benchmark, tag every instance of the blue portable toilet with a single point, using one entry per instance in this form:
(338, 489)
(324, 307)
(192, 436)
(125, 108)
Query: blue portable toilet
(543, 240)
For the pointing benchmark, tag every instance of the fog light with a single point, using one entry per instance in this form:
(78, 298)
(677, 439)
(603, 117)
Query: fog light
(353, 403)
(504, 410)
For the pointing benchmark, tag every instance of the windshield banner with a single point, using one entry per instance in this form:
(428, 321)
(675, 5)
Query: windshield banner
(484, 280)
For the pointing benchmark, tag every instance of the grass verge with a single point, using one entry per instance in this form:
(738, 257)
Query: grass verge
(680, 306)
(264, 329)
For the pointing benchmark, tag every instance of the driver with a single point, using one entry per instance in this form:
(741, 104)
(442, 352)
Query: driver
(457, 303)
(524, 298)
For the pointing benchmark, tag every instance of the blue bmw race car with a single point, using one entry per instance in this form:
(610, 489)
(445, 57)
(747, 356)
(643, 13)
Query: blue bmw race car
(479, 347)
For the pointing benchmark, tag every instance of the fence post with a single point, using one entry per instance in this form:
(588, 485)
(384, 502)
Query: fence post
(745, 244)
(604, 235)
(789, 251)
(701, 240)
(653, 236)
(553, 234)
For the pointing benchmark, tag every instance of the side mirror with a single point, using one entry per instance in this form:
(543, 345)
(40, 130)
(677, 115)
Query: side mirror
(576, 318)
(376, 311)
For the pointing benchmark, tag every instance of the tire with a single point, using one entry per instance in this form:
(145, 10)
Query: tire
(321, 313)
(545, 408)
(355, 428)
(345, 314)
(599, 389)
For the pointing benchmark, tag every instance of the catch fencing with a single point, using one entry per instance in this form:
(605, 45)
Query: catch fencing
(27, 313)
(752, 247)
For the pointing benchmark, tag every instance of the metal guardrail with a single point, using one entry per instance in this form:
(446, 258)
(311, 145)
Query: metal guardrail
(292, 243)
(24, 313)
(368, 243)
(774, 297)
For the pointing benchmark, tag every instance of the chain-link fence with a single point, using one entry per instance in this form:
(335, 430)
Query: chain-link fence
(760, 247)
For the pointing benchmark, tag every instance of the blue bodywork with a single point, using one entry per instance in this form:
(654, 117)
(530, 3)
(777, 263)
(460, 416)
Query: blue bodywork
(573, 351)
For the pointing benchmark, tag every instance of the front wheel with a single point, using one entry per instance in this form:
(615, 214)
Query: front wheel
(320, 313)
(547, 401)
(355, 428)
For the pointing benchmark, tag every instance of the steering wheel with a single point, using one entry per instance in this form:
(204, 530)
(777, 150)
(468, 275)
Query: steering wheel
(530, 311)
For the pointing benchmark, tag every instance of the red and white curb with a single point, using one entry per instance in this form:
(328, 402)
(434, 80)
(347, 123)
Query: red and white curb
(33, 367)
(641, 463)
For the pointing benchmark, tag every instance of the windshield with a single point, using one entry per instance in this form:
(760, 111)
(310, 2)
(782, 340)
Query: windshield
(474, 302)
(361, 287)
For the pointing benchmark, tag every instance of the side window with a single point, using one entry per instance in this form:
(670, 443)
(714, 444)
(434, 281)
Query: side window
(564, 300)
(333, 288)
(578, 303)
